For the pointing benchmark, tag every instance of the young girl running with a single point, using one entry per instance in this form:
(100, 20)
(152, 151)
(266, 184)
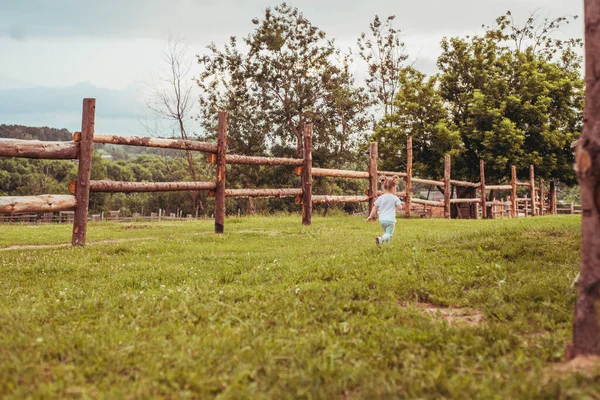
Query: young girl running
(386, 205)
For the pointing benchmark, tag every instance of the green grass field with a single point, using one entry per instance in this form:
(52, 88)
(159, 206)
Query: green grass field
(275, 310)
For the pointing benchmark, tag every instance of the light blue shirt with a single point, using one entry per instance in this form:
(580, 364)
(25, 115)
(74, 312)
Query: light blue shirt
(387, 204)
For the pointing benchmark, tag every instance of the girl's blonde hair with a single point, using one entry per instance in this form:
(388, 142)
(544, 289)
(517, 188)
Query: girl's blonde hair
(389, 183)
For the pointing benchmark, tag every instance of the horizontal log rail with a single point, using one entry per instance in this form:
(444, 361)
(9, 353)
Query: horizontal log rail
(391, 173)
(192, 145)
(427, 182)
(523, 184)
(339, 173)
(428, 202)
(498, 203)
(498, 187)
(38, 149)
(109, 186)
(465, 184)
(339, 199)
(31, 204)
(464, 201)
(285, 192)
(256, 160)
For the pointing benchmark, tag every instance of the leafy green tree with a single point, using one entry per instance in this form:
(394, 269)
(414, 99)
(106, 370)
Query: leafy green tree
(420, 113)
(515, 96)
(287, 78)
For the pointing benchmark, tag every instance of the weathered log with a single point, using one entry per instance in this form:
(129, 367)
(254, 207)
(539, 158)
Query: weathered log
(498, 187)
(482, 189)
(391, 173)
(552, 198)
(373, 181)
(542, 209)
(339, 173)
(408, 179)
(464, 201)
(428, 182)
(513, 193)
(256, 160)
(86, 150)
(34, 204)
(428, 202)
(263, 192)
(307, 175)
(131, 187)
(221, 173)
(519, 183)
(39, 149)
(534, 210)
(191, 145)
(447, 187)
(339, 199)
(464, 183)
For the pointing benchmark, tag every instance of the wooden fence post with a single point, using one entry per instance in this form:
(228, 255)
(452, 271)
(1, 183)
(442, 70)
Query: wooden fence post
(482, 188)
(307, 176)
(86, 150)
(221, 173)
(408, 179)
(542, 199)
(534, 211)
(513, 191)
(572, 208)
(552, 197)
(372, 174)
(447, 187)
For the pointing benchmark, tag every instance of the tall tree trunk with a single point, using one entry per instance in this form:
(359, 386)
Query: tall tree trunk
(586, 331)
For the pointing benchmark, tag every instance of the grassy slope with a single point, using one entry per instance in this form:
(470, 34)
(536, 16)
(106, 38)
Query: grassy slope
(272, 309)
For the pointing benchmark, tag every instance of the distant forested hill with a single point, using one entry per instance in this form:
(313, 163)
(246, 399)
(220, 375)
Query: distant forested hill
(32, 133)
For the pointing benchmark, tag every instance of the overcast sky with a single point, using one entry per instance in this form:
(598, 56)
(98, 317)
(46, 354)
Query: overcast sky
(55, 52)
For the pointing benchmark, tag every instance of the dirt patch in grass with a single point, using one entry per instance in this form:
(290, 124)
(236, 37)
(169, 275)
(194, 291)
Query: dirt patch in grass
(452, 315)
(586, 365)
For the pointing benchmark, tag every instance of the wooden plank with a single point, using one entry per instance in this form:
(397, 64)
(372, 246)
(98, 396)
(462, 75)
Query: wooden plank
(307, 174)
(428, 202)
(339, 199)
(552, 198)
(339, 173)
(291, 192)
(534, 210)
(39, 149)
(86, 149)
(408, 179)
(428, 182)
(256, 160)
(34, 204)
(519, 183)
(191, 145)
(373, 181)
(498, 187)
(513, 188)
(447, 187)
(542, 209)
(464, 201)
(131, 187)
(482, 189)
(221, 173)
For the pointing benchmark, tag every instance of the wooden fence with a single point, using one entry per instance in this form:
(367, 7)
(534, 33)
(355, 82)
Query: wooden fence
(81, 148)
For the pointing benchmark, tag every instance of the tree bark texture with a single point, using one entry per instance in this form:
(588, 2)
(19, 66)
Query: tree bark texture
(586, 332)
(86, 149)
